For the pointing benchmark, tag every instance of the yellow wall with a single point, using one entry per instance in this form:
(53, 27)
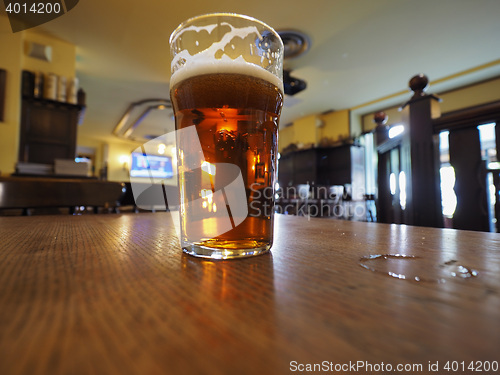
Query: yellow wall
(9, 128)
(304, 130)
(63, 55)
(117, 171)
(469, 96)
(336, 125)
(285, 137)
(311, 130)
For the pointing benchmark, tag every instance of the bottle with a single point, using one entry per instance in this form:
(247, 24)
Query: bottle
(61, 89)
(39, 85)
(50, 91)
(72, 96)
(28, 84)
(81, 97)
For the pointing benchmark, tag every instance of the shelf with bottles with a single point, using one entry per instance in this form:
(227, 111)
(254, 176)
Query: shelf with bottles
(51, 89)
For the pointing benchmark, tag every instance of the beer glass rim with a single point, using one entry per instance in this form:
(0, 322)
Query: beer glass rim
(221, 14)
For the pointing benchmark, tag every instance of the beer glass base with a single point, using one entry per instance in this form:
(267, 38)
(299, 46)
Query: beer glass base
(201, 251)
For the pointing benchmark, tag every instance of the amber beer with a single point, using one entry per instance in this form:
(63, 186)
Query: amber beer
(227, 85)
(236, 117)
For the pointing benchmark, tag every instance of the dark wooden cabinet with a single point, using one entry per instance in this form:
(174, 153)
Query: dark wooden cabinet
(323, 182)
(330, 166)
(48, 130)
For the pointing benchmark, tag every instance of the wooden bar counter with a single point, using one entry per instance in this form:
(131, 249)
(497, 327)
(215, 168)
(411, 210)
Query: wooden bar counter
(113, 294)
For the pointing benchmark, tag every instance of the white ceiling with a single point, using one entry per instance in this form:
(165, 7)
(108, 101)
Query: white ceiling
(361, 50)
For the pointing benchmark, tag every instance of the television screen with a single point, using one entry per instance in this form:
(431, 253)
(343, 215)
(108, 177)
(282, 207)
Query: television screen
(151, 166)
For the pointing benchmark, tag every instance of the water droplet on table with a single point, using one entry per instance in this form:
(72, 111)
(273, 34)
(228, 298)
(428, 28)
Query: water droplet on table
(415, 268)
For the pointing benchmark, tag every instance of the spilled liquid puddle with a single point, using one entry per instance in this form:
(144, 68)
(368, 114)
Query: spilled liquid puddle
(411, 267)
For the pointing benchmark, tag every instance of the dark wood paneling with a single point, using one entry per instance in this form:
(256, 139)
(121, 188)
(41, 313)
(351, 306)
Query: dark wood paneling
(384, 199)
(323, 166)
(48, 131)
(305, 167)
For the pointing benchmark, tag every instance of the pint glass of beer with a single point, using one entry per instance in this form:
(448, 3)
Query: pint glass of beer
(226, 89)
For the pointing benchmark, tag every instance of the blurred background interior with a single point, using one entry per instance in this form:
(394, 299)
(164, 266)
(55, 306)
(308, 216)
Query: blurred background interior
(355, 141)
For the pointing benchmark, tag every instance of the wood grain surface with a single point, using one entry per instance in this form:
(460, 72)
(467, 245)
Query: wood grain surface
(113, 294)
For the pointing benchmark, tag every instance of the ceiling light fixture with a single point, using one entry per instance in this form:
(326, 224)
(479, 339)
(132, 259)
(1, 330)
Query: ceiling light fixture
(296, 44)
(145, 106)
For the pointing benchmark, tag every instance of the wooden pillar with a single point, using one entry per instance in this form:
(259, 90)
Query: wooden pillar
(381, 130)
(383, 199)
(420, 158)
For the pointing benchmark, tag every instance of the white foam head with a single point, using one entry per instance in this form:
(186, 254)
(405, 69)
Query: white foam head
(185, 65)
